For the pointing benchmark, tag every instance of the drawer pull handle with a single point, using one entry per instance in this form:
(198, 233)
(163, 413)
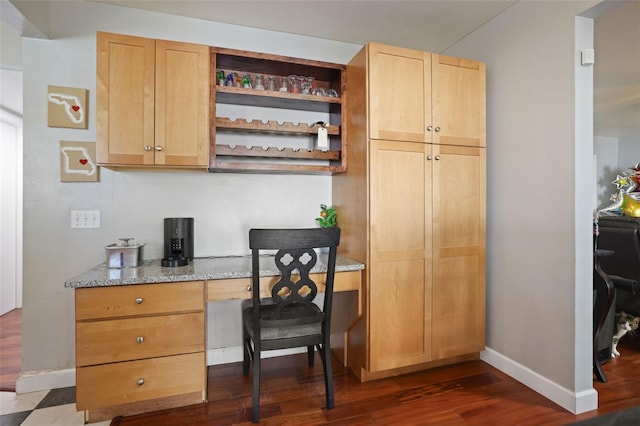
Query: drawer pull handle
(140, 382)
(139, 300)
(248, 288)
(140, 339)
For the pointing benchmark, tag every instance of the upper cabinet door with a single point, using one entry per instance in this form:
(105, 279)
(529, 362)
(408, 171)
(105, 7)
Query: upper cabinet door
(458, 101)
(125, 99)
(182, 104)
(399, 93)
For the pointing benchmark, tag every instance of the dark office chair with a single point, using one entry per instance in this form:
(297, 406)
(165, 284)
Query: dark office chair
(290, 319)
(621, 234)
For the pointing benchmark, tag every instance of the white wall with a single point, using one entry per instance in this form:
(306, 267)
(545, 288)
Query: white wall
(606, 151)
(616, 85)
(538, 216)
(10, 212)
(10, 169)
(629, 151)
(134, 204)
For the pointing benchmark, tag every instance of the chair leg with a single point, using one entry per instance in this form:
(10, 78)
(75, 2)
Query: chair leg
(311, 355)
(246, 354)
(256, 386)
(328, 373)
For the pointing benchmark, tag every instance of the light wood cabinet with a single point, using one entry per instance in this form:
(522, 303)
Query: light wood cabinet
(152, 102)
(137, 345)
(412, 207)
(417, 96)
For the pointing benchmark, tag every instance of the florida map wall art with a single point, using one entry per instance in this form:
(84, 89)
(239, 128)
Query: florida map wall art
(67, 107)
(77, 162)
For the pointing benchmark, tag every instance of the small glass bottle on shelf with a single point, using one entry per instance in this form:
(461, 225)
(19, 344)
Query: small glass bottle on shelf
(272, 85)
(295, 84)
(259, 82)
(246, 81)
(284, 84)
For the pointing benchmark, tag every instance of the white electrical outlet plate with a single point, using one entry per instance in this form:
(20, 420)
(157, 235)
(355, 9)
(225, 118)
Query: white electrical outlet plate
(85, 218)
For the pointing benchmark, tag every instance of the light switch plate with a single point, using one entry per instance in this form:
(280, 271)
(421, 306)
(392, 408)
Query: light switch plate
(85, 218)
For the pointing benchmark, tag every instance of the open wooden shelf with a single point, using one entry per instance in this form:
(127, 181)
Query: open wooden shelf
(224, 156)
(267, 98)
(271, 126)
(273, 152)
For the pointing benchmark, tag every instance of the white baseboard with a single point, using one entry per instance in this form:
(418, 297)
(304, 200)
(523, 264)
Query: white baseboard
(234, 354)
(576, 403)
(45, 380)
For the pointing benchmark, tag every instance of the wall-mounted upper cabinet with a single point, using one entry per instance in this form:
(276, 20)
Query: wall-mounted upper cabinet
(417, 96)
(152, 102)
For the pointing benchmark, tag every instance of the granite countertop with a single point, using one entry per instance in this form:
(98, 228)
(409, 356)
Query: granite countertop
(202, 268)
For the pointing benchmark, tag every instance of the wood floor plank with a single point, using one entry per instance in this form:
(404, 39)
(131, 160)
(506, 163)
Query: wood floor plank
(471, 393)
(10, 349)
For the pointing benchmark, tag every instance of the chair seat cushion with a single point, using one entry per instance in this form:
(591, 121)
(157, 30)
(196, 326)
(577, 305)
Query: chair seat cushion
(292, 321)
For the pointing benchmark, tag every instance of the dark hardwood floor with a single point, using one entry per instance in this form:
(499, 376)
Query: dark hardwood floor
(471, 393)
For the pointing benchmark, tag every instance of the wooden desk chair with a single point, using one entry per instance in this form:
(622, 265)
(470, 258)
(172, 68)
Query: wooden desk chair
(290, 319)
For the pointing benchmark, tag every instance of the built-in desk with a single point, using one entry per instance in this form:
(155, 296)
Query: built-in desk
(140, 332)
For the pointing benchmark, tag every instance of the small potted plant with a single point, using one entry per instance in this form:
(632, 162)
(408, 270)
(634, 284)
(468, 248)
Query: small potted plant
(328, 217)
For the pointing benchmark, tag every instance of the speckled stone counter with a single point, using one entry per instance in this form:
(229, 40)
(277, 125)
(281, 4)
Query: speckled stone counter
(207, 268)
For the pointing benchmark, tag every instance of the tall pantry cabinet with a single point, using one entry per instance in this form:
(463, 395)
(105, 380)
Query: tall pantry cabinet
(412, 207)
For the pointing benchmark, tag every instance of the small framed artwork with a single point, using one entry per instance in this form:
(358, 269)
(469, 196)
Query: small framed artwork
(77, 162)
(67, 107)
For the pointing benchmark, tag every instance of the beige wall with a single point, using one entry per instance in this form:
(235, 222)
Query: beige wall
(538, 211)
(134, 204)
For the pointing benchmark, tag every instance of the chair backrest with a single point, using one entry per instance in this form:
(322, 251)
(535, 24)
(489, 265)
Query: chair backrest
(622, 235)
(295, 256)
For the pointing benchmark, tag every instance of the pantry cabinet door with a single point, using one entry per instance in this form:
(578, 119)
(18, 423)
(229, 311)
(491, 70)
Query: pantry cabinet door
(458, 101)
(400, 286)
(458, 323)
(399, 93)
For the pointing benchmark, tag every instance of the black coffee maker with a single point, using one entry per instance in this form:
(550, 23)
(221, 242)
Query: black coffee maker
(178, 241)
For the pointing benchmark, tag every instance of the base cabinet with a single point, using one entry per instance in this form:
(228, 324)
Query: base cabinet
(139, 344)
(412, 208)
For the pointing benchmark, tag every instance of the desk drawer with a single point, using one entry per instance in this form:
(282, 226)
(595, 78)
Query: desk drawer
(100, 342)
(134, 381)
(240, 288)
(139, 299)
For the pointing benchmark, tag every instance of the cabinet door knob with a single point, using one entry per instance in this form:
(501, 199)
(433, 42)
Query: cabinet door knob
(139, 300)
(429, 128)
(147, 148)
(140, 339)
(429, 157)
(437, 129)
(437, 157)
(248, 288)
(140, 382)
(158, 148)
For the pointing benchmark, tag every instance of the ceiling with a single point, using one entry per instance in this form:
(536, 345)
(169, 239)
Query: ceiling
(430, 25)
(433, 26)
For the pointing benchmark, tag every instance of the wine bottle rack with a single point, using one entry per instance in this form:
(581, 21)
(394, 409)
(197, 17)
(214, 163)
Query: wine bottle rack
(250, 155)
